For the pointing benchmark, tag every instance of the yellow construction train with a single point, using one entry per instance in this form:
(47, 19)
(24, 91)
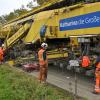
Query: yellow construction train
(73, 28)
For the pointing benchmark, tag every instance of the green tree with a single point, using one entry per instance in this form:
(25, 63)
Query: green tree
(14, 14)
(2, 20)
(30, 5)
(19, 12)
(9, 16)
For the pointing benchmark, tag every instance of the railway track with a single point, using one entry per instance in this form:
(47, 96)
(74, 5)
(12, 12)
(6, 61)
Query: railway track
(66, 81)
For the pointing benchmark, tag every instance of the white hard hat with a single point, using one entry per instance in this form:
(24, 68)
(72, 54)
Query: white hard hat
(2, 45)
(44, 45)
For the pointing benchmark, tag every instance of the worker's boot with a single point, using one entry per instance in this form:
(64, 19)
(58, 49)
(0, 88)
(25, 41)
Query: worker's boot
(94, 92)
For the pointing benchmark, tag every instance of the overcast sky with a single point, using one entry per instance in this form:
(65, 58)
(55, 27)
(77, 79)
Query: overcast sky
(7, 6)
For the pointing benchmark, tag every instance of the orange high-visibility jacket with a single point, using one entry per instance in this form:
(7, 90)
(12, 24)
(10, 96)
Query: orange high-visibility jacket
(98, 62)
(85, 61)
(98, 65)
(1, 53)
(97, 72)
(42, 61)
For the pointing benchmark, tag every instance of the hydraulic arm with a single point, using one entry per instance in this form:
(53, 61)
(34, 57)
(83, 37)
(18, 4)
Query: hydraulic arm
(18, 35)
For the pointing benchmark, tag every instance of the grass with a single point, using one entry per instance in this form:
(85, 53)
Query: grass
(18, 85)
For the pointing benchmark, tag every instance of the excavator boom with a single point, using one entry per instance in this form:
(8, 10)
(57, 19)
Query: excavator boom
(14, 38)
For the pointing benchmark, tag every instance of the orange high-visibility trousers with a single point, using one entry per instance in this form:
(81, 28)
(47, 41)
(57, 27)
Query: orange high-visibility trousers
(97, 85)
(1, 57)
(43, 73)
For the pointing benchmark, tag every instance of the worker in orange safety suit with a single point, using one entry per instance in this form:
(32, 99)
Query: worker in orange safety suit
(85, 61)
(1, 53)
(97, 75)
(43, 63)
